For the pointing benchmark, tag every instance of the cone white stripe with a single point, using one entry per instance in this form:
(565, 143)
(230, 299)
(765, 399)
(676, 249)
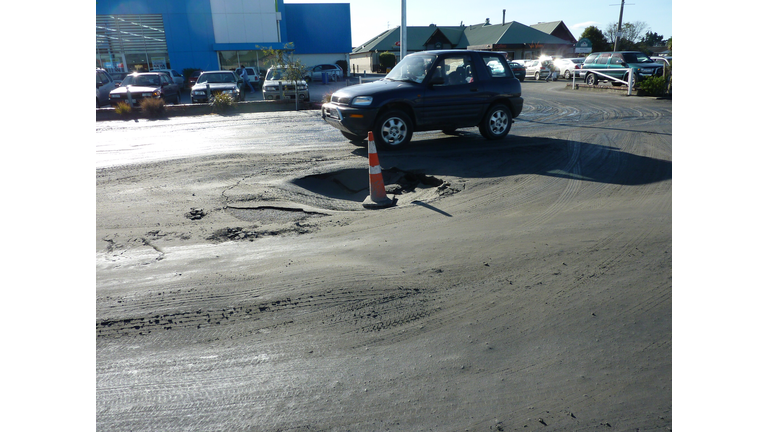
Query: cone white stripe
(375, 170)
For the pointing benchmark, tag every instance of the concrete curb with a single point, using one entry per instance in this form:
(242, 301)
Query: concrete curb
(622, 90)
(109, 114)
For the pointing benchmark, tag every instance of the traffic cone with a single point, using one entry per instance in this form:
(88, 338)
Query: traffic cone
(378, 197)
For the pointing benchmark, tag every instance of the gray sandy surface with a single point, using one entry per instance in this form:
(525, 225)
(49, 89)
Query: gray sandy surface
(524, 284)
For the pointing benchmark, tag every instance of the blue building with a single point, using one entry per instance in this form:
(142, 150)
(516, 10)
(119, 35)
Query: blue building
(216, 34)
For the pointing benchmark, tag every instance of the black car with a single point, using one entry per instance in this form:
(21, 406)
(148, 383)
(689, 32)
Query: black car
(211, 83)
(430, 90)
(517, 69)
(145, 85)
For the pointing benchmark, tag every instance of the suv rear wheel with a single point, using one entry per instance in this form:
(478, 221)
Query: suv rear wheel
(497, 122)
(591, 79)
(393, 130)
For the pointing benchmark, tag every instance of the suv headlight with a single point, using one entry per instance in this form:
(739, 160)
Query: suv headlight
(301, 86)
(362, 100)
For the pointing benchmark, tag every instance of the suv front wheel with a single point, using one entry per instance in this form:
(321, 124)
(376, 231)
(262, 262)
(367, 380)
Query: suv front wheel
(496, 123)
(393, 130)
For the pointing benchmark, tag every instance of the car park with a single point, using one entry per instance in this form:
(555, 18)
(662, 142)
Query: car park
(148, 85)
(315, 73)
(175, 76)
(430, 90)
(104, 85)
(216, 82)
(615, 65)
(518, 69)
(569, 67)
(278, 86)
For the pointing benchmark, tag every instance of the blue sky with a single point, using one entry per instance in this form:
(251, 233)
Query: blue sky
(371, 17)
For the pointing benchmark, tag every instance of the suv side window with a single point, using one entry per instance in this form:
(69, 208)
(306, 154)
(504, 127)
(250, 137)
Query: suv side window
(455, 70)
(590, 59)
(496, 67)
(616, 59)
(603, 59)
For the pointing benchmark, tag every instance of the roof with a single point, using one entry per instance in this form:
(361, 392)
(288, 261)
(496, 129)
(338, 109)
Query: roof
(555, 28)
(460, 36)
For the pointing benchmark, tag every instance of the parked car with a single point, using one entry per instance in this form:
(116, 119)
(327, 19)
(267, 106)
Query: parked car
(569, 67)
(175, 76)
(315, 73)
(276, 80)
(146, 85)
(104, 85)
(430, 90)
(517, 69)
(619, 61)
(666, 62)
(253, 76)
(119, 76)
(537, 69)
(216, 82)
(192, 80)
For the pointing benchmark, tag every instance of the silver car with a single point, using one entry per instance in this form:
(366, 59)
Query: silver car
(104, 85)
(277, 86)
(315, 73)
(569, 67)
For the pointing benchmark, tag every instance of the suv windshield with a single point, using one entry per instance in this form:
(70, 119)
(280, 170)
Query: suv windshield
(276, 74)
(216, 78)
(413, 68)
(637, 58)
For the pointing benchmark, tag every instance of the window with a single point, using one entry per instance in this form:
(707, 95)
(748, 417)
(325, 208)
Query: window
(603, 59)
(454, 71)
(616, 59)
(130, 42)
(497, 67)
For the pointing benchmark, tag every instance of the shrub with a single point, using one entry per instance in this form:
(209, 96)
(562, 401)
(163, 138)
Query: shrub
(153, 107)
(123, 108)
(654, 86)
(221, 102)
(387, 60)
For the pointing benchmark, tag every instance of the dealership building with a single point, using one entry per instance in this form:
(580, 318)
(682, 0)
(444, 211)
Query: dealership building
(142, 35)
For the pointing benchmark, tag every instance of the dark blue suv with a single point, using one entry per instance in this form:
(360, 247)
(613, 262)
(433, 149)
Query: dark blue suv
(430, 90)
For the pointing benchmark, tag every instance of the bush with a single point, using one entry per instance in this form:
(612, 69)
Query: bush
(153, 107)
(221, 102)
(387, 60)
(653, 86)
(123, 108)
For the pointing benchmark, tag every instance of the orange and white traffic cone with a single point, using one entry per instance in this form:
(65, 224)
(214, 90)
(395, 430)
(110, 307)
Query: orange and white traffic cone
(378, 197)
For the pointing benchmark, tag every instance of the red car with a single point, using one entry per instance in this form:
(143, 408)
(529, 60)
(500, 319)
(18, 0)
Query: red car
(192, 80)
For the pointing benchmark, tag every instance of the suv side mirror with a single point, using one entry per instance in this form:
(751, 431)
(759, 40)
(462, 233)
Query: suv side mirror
(437, 80)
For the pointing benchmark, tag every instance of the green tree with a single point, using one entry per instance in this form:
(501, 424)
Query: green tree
(652, 39)
(599, 42)
(294, 69)
(387, 60)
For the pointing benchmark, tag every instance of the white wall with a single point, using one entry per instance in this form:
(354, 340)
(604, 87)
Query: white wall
(244, 21)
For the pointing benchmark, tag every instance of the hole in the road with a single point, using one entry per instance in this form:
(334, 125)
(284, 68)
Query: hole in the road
(353, 184)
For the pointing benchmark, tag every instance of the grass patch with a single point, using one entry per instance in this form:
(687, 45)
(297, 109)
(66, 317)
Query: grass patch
(123, 108)
(222, 102)
(153, 107)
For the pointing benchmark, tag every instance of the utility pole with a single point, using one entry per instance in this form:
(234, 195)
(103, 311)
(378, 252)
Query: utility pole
(618, 32)
(403, 32)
